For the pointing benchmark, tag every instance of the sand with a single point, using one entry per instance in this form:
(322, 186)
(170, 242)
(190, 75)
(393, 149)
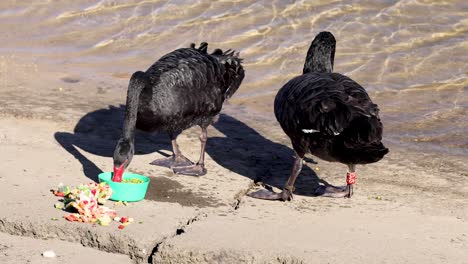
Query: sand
(17, 249)
(409, 208)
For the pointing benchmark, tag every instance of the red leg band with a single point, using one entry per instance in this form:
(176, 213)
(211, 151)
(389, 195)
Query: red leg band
(350, 178)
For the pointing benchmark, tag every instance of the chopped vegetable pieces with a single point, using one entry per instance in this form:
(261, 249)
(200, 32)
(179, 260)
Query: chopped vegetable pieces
(87, 201)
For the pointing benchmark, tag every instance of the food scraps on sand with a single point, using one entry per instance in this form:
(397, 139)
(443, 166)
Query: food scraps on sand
(87, 200)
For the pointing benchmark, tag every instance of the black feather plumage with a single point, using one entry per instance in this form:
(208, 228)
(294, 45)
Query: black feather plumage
(332, 117)
(187, 87)
(328, 115)
(184, 88)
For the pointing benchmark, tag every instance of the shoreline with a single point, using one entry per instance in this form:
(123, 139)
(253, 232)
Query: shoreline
(64, 128)
(59, 95)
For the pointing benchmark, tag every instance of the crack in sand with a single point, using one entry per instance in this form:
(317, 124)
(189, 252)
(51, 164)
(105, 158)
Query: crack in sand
(238, 197)
(90, 238)
(179, 231)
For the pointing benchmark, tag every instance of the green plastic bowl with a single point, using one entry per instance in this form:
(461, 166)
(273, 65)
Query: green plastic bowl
(126, 192)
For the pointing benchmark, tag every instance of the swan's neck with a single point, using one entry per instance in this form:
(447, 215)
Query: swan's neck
(128, 130)
(136, 85)
(321, 54)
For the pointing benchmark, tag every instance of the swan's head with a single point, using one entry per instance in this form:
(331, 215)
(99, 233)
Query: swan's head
(123, 155)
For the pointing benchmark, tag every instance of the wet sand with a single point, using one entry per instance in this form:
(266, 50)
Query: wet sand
(410, 55)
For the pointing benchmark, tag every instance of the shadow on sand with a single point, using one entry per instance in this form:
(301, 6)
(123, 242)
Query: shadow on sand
(97, 133)
(254, 156)
(243, 150)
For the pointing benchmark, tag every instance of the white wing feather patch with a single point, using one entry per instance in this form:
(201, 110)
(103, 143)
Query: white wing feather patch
(310, 131)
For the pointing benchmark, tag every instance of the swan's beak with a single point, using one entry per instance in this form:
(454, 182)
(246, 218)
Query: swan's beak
(118, 172)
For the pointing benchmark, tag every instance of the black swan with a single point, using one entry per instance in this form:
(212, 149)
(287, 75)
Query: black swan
(328, 115)
(184, 88)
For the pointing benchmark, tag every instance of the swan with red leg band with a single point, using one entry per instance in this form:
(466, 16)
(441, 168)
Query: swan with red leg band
(329, 116)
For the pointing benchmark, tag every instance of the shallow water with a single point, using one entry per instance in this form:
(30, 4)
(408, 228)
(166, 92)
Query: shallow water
(410, 55)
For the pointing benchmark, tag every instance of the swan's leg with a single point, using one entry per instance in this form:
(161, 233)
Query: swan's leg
(176, 159)
(350, 180)
(199, 168)
(342, 191)
(287, 193)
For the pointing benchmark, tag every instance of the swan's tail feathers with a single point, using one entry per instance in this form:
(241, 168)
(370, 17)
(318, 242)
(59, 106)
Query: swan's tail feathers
(234, 72)
(362, 140)
(138, 82)
(203, 48)
(365, 154)
(321, 54)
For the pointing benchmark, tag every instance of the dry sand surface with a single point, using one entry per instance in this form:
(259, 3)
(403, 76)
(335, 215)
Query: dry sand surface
(409, 208)
(20, 250)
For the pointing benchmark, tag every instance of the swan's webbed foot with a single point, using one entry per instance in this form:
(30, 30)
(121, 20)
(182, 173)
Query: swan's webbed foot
(339, 192)
(335, 191)
(285, 195)
(191, 170)
(172, 162)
